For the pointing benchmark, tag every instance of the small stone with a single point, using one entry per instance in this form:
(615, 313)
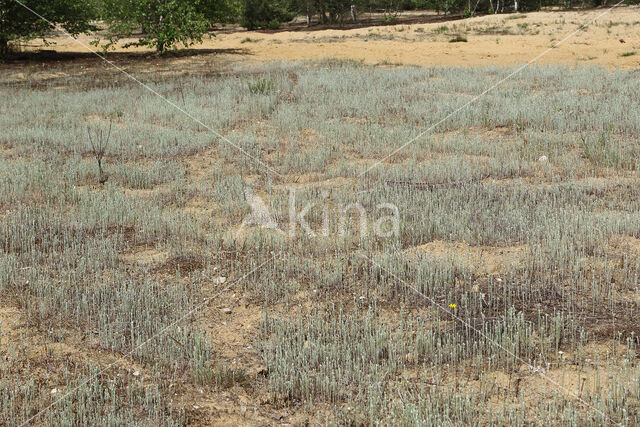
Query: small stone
(196, 407)
(227, 311)
(54, 390)
(136, 374)
(219, 280)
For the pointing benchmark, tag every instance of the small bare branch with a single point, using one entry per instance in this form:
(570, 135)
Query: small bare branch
(99, 143)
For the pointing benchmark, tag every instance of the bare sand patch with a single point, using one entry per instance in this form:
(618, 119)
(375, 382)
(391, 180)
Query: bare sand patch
(485, 259)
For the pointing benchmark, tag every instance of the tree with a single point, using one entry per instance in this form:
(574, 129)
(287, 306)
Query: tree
(265, 13)
(445, 6)
(337, 9)
(163, 23)
(17, 23)
(217, 11)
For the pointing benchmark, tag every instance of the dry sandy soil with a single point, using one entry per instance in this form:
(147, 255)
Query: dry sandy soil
(491, 40)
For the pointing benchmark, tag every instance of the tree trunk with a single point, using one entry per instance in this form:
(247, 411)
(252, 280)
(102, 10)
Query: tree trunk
(323, 13)
(4, 46)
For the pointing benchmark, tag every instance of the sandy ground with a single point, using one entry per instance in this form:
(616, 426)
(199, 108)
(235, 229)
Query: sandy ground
(613, 40)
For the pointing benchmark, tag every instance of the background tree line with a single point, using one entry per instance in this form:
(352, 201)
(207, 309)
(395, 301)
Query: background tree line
(166, 24)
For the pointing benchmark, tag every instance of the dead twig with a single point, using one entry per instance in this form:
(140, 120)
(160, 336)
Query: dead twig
(99, 143)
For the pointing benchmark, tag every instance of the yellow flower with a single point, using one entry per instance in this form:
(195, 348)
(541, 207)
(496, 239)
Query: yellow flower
(452, 306)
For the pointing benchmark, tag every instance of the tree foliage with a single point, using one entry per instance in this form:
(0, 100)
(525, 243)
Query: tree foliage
(18, 23)
(161, 24)
(220, 10)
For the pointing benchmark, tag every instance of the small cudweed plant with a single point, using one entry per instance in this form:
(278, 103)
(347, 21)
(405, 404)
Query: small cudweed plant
(262, 86)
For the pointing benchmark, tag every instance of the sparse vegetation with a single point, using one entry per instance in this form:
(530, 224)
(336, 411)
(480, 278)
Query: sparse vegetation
(145, 293)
